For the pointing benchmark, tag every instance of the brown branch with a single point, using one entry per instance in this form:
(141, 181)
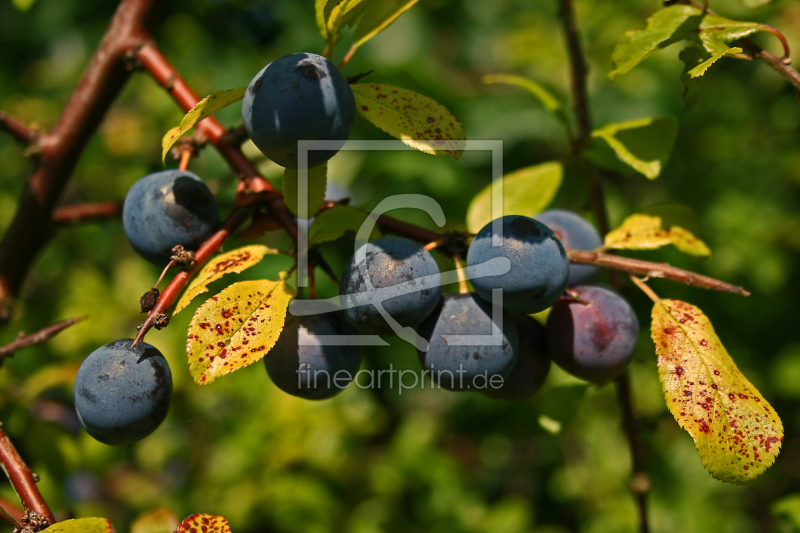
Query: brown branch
(653, 270)
(580, 102)
(640, 482)
(416, 233)
(60, 149)
(173, 291)
(22, 479)
(17, 129)
(74, 213)
(10, 513)
(40, 337)
(153, 61)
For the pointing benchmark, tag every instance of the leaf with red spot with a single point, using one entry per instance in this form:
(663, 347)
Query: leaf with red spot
(736, 431)
(82, 525)
(646, 232)
(205, 523)
(417, 120)
(234, 261)
(236, 328)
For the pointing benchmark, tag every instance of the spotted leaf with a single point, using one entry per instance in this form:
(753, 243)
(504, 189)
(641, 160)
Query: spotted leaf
(204, 108)
(645, 232)
(236, 328)
(415, 119)
(736, 431)
(82, 525)
(234, 261)
(204, 523)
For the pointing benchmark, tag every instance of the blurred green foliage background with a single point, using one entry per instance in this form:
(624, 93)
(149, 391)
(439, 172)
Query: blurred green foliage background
(426, 460)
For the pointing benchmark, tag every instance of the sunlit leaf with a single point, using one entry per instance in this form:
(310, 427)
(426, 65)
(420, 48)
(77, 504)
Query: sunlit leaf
(645, 232)
(527, 191)
(736, 431)
(548, 101)
(236, 328)
(161, 520)
(415, 119)
(341, 13)
(82, 525)
(334, 223)
(314, 193)
(319, 12)
(644, 144)
(204, 108)
(679, 23)
(234, 261)
(377, 17)
(204, 523)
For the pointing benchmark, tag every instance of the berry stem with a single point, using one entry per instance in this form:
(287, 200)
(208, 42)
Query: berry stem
(463, 288)
(186, 156)
(22, 479)
(645, 288)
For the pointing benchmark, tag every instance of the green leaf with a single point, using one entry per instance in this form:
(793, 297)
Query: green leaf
(234, 261)
(204, 523)
(788, 510)
(82, 525)
(204, 108)
(645, 232)
(236, 328)
(334, 223)
(527, 191)
(417, 120)
(378, 16)
(700, 69)
(679, 23)
(314, 193)
(644, 144)
(548, 101)
(736, 431)
(319, 12)
(340, 13)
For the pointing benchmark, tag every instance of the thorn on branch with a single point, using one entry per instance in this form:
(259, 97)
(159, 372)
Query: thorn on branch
(20, 132)
(355, 79)
(40, 337)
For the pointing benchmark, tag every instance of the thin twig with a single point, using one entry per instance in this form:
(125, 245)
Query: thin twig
(17, 129)
(171, 293)
(22, 479)
(640, 482)
(40, 337)
(654, 270)
(580, 103)
(10, 513)
(72, 214)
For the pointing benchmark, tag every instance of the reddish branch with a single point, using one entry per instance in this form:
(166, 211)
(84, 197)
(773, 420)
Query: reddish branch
(17, 129)
(153, 61)
(40, 337)
(60, 149)
(653, 270)
(71, 214)
(22, 479)
(173, 291)
(9, 512)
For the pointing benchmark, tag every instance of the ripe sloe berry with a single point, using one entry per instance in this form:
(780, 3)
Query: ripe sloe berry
(593, 340)
(575, 232)
(539, 266)
(298, 97)
(168, 208)
(122, 394)
(532, 366)
(475, 364)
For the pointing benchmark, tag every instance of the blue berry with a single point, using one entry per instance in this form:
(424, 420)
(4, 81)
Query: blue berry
(468, 366)
(122, 394)
(168, 208)
(577, 233)
(388, 263)
(532, 365)
(594, 340)
(313, 370)
(298, 97)
(539, 266)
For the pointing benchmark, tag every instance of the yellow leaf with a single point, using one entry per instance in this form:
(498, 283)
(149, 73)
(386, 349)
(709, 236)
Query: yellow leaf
(82, 525)
(645, 232)
(377, 17)
(206, 523)
(204, 108)
(234, 261)
(736, 431)
(314, 194)
(236, 328)
(415, 119)
(340, 13)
